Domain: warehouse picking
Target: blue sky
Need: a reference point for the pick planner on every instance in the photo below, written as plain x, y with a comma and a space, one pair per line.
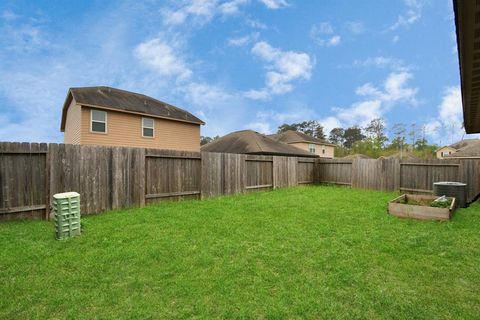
236, 64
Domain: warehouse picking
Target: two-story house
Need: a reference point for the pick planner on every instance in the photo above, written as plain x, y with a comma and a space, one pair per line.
112, 117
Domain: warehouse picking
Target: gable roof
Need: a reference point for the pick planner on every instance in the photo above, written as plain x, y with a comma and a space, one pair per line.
464, 143
468, 151
252, 142
125, 101
291, 136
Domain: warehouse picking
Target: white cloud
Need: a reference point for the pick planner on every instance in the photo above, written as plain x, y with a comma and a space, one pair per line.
359, 113
255, 24
262, 127
232, 7
202, 11
205, 95
382, 62
355, 27
242, 41
321, 28
394, 89
283, 68
450, 110
163, 58
323, 34
199, 10
329, 123
9, 15
333, 41
274, 4
447, 127
377, 101
395, 39
412, 14
22, 34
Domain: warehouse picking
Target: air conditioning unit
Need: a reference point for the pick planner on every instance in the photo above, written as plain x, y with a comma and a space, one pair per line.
66, 207
457, 190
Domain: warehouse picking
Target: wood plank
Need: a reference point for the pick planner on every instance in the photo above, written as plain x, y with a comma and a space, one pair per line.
23, 209
171, 194
416, 190
259, 186
172, 156
430, 164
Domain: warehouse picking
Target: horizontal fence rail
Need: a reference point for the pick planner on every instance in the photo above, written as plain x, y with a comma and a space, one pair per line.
113, 177
409, 176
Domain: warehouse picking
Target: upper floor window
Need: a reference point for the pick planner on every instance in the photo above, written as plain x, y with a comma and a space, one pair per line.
99, 121
446, 153
311, 148
323, 150
148, 127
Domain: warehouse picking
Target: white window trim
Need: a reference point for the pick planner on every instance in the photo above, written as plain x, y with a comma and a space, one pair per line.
153, 128
91, 121
314, 148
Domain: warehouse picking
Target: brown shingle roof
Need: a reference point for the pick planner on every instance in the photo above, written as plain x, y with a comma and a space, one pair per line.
291, 136
252, 142
111, 98
468, 151
464, 143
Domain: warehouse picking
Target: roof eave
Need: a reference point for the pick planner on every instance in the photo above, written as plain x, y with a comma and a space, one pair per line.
66, 104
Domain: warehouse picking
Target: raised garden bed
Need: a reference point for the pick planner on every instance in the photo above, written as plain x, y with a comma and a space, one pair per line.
420, 207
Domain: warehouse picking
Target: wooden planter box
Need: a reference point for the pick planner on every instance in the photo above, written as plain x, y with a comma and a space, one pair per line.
399, 208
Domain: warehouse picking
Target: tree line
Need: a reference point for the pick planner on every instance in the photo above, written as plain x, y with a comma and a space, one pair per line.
372, 140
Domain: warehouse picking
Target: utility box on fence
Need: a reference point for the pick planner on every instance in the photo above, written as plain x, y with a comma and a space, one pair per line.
66, 208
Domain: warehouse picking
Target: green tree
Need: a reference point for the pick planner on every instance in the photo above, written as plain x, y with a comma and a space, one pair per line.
205, 139
398, 142
337, 136
352, 135
311, 127
286, 127
376, 133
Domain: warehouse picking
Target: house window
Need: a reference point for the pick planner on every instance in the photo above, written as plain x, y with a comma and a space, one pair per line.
311, 148
147, 127
323, 150
446, 153
99, 121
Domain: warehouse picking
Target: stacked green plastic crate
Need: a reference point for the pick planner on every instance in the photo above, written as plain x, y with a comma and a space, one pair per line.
66, 207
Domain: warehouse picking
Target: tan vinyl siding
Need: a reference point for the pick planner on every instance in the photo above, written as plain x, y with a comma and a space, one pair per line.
72, 124
445, 149
329, 150
125, 130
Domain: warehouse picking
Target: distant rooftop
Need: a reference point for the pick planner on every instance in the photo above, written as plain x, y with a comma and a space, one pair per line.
252, 142
291, 136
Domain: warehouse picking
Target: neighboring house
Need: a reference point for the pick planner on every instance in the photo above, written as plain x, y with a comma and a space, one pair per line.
470, 151
252, 142
445, 151
113, 117
451, 150
305, 142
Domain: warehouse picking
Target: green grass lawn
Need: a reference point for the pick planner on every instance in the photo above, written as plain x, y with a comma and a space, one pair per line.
307, 252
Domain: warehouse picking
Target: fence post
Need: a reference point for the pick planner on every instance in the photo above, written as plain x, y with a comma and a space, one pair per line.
47, 182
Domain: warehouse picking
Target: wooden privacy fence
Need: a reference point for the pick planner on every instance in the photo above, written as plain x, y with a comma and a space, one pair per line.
409, 176
111, 177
